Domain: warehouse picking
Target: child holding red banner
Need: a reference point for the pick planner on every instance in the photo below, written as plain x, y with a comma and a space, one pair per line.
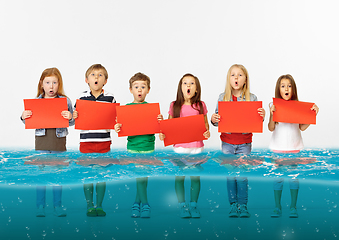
139, 86
286, 138
188, 103
51, 140
95, 141
237, 89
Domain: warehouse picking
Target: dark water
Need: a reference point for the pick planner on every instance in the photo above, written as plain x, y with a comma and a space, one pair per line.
22, 171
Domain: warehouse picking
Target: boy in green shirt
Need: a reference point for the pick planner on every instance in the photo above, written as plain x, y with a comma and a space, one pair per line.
139, 86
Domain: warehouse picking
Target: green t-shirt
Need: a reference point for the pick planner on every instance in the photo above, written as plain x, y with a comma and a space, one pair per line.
140, 142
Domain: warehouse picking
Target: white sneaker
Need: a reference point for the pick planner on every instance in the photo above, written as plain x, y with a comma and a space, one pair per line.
195, 213
135, 210
59, 212
40, 212
243, 211
234, 211
184, 211
145, 211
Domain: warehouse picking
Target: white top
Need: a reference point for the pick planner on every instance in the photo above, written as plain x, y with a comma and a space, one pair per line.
286, 137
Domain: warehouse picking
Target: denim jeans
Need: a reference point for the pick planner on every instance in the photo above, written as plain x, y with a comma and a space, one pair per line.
236, 149
237, 188
41, 196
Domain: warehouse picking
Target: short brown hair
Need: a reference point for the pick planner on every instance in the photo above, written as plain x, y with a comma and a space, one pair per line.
140, 77
97, 67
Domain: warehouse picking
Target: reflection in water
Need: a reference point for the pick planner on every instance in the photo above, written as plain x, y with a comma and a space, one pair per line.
317, 209
316, 204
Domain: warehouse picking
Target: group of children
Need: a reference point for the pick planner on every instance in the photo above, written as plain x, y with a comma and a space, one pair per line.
286, 137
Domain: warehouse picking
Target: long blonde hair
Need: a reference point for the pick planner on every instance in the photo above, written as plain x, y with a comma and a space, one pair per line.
246, 88
48, 72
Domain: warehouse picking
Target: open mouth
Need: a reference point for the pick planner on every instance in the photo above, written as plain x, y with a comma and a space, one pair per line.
236, 83
139, 95
188, 91
96, 82
51, 92
286, 94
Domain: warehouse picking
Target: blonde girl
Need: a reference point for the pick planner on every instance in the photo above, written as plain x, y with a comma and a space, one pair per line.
237, 89
51, 140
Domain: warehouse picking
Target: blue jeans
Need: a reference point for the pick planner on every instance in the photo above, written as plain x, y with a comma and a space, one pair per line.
237, 188
236, 149
41, 196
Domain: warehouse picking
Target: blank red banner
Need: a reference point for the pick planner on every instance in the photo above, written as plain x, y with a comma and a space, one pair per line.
46, 113
183, 130
95, 115
240, 117
138, 119
293, 112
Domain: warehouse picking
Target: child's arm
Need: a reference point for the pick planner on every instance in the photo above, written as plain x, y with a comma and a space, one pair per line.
26, 114
75, 114
215, 119
117, 127
303, 127
207, 134
262, 113
161, 135
271, 123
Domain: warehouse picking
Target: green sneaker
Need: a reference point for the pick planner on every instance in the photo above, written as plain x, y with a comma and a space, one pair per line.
91, 212
100, 212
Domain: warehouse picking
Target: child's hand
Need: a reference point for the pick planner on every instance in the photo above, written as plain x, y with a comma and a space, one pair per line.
66, 114
75, 114
215, 118
160, 117
207, 134
272, 109
315, 108
261, 112
161, 136
117, 127
26, 114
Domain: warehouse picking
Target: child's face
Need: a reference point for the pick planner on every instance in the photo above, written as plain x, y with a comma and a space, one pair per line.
237, 78
188, 87
285, 89
139, 90
50, 85
96, 80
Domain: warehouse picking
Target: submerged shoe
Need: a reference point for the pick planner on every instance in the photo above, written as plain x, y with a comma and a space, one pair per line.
41, 211
135, 210
91, 212
234, 211
243, 211
184, 211
145, 211
276, 213
100, 212
293, 213
195, 213
59, 212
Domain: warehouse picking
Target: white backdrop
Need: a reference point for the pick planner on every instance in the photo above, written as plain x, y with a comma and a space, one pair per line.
165, 40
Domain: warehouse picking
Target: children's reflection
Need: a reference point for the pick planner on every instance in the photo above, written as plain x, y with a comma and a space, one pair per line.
237, 187
54, 163
289, 165
188, 164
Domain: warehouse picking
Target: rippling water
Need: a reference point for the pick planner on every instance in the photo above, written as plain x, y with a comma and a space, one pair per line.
72, 167
21, 171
